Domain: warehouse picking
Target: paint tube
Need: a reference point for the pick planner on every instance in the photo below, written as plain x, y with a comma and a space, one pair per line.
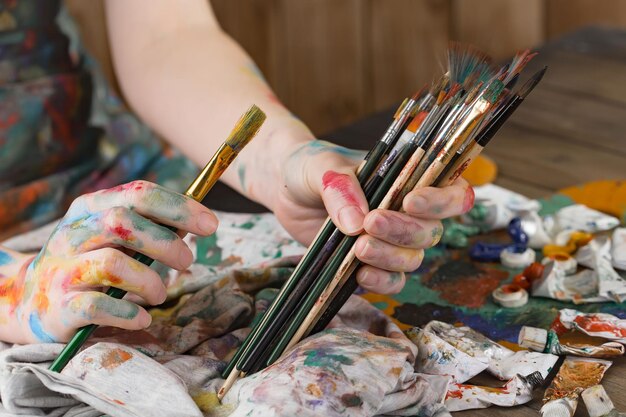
498, 207
547, 341
602, 325
518, 390
618, 248
597, 256
536, 229
575, 375
598, 403
565, 262
579, 217
437, 357
510, 296
579, 288
503, 363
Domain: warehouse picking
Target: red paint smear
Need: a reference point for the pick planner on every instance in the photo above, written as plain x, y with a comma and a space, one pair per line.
468, 201
594, 324
119, 402
510, 288
134, 186
122, 232
558, 327
454, 394
9, 120
342, 184
470, 288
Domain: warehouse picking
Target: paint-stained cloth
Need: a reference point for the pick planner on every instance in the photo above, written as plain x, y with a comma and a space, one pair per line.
363, 365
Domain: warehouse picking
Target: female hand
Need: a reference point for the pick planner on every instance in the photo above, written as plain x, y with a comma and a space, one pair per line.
90, 250
319, 180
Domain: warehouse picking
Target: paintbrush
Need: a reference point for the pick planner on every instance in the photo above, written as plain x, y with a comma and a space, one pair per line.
311, 262
245, 129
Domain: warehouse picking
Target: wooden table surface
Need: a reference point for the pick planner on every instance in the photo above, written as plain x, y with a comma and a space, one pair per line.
570, 130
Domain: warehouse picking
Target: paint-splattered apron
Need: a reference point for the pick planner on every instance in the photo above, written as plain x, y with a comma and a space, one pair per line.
49, 151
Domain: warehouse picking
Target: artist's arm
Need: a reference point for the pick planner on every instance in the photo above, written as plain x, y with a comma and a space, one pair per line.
190, 81
46, 297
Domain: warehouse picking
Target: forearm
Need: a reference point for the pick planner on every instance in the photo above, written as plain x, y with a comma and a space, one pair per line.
13, 267
191, 84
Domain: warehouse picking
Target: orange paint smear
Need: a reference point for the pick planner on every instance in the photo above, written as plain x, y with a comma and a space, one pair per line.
593, 324
115, 358
607, 196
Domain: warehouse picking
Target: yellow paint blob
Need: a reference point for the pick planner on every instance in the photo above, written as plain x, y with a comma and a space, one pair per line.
481, 171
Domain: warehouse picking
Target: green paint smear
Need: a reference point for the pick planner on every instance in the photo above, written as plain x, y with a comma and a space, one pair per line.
208, 251
320, 359
247, 226
550, 205
116, 308
241, 171
155, 231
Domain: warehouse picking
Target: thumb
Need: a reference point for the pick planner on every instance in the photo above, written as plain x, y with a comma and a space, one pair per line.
344, 200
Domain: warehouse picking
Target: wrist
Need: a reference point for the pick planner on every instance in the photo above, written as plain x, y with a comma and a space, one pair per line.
261, 165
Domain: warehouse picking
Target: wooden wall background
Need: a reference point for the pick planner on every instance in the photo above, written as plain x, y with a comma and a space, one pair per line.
334, 61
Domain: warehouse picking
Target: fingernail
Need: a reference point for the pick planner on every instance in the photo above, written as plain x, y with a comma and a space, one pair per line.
185, 257
417, 204
162, 295
145, 319
351, 219
369, 278
380, 225
206, 222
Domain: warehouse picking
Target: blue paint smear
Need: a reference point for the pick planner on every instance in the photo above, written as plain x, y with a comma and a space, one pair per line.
5, 258
38, 331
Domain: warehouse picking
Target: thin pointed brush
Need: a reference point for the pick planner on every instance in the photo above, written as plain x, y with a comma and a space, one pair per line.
245, 129
371, 161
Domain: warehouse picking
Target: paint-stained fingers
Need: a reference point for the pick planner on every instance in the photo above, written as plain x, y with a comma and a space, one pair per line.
380, 281
383, 255
109, 267
120, 226
153, 201
403, 230
92, 307
344, 200
440, 203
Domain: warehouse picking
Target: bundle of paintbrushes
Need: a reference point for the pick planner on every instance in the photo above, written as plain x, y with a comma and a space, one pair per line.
434, 136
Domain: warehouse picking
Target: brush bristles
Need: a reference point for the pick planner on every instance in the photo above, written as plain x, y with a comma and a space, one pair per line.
246, 128
532, 82
464, 61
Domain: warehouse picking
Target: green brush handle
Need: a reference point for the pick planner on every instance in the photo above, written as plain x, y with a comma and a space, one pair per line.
81, 336
331, 268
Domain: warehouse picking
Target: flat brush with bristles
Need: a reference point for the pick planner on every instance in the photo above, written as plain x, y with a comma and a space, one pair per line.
245, 129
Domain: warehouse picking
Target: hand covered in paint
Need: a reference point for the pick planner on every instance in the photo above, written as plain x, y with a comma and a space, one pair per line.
320, 180
61, 289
